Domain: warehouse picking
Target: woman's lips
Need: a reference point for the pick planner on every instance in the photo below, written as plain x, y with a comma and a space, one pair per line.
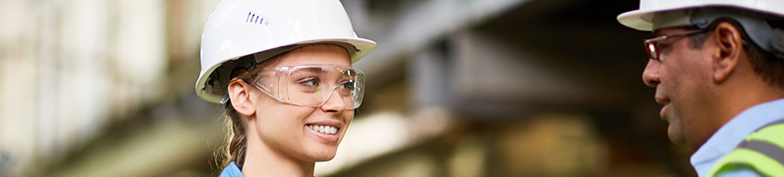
323, 132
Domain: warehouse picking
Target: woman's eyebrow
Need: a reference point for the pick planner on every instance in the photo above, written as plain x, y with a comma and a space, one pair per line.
314, 70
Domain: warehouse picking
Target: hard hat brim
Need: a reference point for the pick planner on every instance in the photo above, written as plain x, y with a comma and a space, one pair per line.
634, 20
642, 19
361, 47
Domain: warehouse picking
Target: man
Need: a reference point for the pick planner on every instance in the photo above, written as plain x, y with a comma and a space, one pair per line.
718, 70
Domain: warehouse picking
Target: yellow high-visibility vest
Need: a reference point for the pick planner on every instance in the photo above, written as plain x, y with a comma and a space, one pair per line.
761, 151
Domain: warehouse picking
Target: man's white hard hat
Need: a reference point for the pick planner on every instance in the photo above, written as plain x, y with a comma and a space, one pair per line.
266, 28
641, 19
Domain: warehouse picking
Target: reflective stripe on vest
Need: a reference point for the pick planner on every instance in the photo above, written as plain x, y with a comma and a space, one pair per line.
761, 151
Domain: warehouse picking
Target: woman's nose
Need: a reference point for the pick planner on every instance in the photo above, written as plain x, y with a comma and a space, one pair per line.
333, 103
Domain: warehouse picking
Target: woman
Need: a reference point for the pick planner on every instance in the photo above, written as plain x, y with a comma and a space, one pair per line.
282, 69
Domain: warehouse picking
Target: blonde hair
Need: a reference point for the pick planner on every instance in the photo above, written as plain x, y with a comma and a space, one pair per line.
234, 150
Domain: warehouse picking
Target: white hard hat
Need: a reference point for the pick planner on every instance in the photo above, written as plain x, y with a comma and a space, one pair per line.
266, 28
761, 19
642, 18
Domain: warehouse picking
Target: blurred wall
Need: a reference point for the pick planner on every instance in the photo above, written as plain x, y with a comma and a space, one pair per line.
507, 88
454, 88
70, 68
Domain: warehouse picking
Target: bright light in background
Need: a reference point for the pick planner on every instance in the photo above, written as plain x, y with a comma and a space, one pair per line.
366, 138
382, 133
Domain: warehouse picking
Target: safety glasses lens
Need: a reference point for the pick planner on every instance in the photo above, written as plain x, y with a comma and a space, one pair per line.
316, 85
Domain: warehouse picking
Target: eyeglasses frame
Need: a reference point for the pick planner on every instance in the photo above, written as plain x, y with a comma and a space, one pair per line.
653, 51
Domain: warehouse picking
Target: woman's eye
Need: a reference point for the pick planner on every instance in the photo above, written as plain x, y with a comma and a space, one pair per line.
348, 85
309, 82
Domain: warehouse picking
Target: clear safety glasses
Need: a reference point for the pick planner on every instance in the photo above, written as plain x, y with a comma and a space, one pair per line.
313, 85
653, 49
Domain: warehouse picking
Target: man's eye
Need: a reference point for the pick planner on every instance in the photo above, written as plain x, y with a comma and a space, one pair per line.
663, 46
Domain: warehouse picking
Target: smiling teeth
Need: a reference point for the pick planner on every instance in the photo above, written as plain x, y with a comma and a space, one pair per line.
324, 129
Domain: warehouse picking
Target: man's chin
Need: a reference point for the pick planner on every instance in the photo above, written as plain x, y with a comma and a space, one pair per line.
675, 136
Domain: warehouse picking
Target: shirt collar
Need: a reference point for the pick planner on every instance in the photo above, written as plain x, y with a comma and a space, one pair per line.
733, 132
232, 170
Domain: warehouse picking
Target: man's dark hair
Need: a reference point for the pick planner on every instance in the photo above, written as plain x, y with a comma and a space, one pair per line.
766, 64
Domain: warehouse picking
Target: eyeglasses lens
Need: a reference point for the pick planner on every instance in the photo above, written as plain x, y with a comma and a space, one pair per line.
651, 50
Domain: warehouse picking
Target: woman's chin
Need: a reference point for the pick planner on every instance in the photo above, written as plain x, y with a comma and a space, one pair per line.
323, 153
325, 159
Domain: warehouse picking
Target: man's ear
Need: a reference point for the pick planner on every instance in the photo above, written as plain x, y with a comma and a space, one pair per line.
241, 98
729, 44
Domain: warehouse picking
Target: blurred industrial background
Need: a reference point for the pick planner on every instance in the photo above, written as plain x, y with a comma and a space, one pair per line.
456, 88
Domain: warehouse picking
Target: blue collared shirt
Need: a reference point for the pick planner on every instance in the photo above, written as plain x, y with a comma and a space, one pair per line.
731, 134
232, 170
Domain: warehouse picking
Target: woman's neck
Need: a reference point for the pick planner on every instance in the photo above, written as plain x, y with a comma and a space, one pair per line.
262, 161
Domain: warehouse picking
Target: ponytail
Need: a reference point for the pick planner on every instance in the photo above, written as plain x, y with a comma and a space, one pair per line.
238, 142
237, 145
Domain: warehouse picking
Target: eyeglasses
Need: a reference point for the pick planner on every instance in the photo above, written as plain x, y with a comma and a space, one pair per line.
652, 48
312, 85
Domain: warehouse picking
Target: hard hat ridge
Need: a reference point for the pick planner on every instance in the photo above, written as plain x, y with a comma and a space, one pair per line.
757, 26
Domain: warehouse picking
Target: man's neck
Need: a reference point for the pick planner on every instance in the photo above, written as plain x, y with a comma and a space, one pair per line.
743, 92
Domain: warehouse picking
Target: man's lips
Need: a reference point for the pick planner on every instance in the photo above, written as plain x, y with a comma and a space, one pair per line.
662, 100
665, 102
663, 112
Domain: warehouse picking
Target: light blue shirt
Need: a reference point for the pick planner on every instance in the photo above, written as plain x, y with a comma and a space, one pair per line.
232, 170
731, 134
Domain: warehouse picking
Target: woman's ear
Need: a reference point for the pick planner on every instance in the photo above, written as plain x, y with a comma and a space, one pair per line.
241, 98
730, 47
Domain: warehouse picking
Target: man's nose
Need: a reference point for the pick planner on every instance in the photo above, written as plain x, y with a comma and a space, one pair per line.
650, 76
